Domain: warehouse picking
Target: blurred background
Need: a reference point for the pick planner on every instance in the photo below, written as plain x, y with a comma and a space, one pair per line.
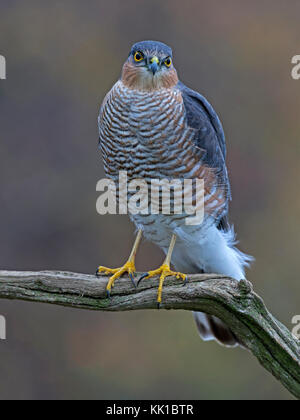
62, 57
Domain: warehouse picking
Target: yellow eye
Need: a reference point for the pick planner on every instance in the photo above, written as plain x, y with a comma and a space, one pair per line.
138, 56
168, 62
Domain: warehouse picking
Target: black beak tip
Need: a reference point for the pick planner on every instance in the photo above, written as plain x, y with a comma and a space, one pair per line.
154, 68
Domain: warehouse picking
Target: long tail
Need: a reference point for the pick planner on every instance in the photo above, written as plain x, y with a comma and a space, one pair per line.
217, 254
212, 328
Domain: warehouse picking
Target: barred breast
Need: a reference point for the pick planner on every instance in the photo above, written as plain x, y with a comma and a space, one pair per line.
145, 133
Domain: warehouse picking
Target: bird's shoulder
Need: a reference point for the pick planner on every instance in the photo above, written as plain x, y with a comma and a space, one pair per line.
201, 116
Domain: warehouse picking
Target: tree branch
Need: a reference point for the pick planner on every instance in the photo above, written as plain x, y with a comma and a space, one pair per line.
235, 303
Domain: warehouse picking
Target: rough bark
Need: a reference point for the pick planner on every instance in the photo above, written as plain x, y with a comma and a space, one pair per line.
244, 311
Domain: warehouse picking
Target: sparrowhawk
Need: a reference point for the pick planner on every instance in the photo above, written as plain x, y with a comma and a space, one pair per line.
154, 127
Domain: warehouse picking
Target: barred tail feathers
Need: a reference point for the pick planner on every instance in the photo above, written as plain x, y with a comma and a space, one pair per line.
216, 253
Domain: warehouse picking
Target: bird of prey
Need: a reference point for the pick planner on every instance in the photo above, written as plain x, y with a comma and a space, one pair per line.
154, 127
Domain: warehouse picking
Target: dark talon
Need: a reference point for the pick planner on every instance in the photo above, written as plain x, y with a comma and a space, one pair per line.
158, 305
108, 294
141, 278
185, 281
97, 273
132, 279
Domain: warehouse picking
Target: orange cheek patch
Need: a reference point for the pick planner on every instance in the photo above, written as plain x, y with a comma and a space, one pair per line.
130, 75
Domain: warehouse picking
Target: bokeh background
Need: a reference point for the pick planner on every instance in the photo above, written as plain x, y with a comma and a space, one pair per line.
62, 57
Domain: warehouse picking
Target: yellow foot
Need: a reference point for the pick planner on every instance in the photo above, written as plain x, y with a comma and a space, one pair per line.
129, 268
164, 271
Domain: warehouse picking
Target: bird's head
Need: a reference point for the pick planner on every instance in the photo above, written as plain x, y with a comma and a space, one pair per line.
149, 66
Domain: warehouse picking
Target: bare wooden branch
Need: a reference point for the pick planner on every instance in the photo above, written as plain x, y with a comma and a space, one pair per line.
235, 303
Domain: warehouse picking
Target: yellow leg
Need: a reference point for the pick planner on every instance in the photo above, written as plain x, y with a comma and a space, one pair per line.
164, 271
128, 267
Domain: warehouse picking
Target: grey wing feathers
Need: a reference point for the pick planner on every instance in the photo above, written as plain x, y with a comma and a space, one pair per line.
199, 110
209, 136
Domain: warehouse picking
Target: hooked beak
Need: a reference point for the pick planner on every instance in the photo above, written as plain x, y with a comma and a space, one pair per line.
153, 64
